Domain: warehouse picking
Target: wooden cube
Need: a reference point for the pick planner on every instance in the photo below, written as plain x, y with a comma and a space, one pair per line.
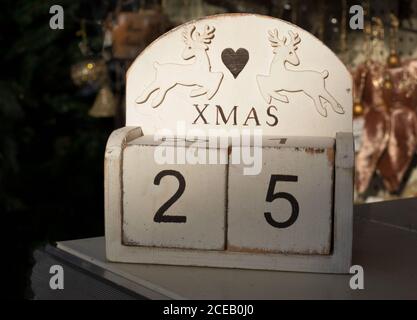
172, 205
338, 261
287, 208
236, 85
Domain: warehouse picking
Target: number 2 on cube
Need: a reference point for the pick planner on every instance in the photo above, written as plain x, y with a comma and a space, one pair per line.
159, 215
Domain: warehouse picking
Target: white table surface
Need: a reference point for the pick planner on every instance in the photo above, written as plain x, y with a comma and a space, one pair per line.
385, 245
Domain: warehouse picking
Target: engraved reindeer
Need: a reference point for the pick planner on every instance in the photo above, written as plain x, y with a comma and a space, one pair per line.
312, 83
197, 74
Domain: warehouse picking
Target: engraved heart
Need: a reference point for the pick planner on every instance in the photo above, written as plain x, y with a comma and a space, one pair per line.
235, 61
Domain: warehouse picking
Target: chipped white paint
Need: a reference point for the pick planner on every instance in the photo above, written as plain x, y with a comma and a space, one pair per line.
337, 262
198, 213
287, 207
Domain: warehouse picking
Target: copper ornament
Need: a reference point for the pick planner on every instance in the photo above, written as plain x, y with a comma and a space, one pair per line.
401, 148
375, 138
133, 31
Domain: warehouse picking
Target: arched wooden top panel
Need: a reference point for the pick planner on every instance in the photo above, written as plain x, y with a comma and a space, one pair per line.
240, 71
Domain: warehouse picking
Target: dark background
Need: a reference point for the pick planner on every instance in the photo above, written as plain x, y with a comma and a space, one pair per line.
51, 151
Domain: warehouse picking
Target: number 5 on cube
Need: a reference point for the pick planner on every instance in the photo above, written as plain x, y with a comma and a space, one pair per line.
287, 208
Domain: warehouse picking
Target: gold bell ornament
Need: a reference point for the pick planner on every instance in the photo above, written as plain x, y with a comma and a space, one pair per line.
105, 104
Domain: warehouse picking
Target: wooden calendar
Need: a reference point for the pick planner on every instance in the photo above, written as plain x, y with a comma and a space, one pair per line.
237, 151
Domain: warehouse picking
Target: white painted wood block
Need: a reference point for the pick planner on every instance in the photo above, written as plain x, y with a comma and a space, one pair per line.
223, 75
287, 208
337, 262
172, 205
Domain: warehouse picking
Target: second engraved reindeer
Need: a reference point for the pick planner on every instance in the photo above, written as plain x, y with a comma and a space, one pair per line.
280, 79
197, 74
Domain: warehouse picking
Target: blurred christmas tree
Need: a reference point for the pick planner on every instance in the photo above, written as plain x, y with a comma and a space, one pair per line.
51, 150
